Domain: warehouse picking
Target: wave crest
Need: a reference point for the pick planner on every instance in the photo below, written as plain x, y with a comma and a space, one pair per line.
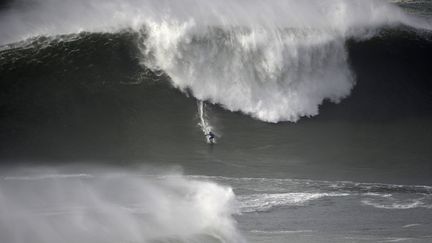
276, 61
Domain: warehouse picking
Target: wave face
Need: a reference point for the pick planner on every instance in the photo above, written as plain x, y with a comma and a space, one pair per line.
88, 96
276, 61
47, 206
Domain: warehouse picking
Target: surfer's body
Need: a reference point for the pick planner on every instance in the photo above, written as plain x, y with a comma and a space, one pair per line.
211, 137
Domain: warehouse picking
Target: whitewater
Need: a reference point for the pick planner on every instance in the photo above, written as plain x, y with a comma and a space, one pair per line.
153, 205
276, 61
44, 205
321, 111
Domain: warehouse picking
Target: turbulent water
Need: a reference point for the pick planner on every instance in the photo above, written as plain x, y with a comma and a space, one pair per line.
321, 111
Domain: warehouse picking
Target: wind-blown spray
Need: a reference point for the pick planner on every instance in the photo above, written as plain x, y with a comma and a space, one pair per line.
112, 207
275, 60
204, 122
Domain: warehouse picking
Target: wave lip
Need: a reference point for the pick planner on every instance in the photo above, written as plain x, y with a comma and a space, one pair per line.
279, 65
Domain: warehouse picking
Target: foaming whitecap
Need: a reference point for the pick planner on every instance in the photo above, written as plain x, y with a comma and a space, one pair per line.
264, 202
115, 207
397, 204
276, 61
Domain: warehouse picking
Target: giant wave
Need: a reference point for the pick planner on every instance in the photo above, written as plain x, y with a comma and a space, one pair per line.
276, 61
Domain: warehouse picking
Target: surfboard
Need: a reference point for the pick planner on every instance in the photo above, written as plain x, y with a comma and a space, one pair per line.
210, 141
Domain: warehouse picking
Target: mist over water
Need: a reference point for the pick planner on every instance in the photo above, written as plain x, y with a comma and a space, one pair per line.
114, 206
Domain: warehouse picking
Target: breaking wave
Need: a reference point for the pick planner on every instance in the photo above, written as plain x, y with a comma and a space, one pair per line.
276, 61
264, 194
115, 207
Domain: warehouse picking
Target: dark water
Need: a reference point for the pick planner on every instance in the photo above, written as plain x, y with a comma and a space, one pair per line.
74, 106
89, 99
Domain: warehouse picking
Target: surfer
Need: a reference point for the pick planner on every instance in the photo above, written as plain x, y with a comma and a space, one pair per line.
211, 137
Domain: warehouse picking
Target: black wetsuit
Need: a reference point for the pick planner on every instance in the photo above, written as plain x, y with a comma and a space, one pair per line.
211, 136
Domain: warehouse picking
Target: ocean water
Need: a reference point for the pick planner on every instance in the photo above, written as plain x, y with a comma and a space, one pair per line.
322, 112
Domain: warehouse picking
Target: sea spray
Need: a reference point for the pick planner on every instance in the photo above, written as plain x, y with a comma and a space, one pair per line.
276, 61
273, 75
114, 206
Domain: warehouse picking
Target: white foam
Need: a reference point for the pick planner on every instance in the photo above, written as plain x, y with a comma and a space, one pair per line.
114, 207
277, 232
387, 195
408, 204
279, 66
410, 225
395, 239
265, 202
275, 60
